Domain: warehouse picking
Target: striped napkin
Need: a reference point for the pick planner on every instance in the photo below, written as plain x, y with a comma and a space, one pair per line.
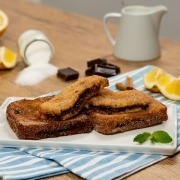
33, 163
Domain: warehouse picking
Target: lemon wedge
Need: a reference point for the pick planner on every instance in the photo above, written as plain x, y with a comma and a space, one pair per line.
151, 77
4, 21
158, 80
8, 58
169, 86
164, 80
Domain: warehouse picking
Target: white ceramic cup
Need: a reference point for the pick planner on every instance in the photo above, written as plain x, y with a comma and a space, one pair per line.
35, 47
138, 32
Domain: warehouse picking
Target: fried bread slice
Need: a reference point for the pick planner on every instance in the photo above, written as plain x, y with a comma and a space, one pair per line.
123, 101
23, 117
109, 121
70, 101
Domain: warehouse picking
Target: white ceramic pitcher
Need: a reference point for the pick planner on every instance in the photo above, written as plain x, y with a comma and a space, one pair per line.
138, 32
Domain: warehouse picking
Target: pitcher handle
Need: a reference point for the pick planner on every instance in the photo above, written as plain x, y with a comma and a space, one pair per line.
105, 19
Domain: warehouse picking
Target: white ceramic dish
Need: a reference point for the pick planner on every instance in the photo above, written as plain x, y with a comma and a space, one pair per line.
96, 141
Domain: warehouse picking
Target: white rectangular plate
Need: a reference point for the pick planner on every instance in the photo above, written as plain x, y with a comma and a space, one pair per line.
96, 141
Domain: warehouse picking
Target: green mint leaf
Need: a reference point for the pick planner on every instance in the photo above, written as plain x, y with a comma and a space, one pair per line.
160, 137
141, 138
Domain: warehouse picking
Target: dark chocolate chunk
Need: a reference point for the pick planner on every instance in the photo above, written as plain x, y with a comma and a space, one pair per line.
106, 70
92, 63
115, 67
90, 71
101, 67
68, 74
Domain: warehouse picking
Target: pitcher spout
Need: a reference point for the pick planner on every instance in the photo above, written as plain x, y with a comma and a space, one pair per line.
157, 14
160, 8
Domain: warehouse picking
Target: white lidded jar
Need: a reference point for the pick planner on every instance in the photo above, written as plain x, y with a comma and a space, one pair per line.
35, 47
36, 51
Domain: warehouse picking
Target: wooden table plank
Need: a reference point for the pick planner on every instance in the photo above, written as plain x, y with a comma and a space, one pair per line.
76, 39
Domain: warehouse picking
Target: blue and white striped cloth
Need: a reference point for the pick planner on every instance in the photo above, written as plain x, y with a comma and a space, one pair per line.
33, 163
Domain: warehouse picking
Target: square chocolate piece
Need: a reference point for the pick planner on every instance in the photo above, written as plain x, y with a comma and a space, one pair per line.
68, 74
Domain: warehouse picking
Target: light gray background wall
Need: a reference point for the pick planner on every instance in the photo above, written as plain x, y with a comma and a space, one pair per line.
170, 24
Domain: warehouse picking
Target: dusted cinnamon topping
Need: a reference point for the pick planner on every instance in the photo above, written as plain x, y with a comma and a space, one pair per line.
83, 106
23, 118
116, 122
74, 96
78, 106
115, 100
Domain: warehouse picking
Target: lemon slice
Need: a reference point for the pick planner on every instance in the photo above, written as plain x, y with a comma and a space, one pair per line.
151, 77
8, 58
4, 21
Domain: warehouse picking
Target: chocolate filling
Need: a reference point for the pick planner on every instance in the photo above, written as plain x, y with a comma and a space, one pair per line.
111, 110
